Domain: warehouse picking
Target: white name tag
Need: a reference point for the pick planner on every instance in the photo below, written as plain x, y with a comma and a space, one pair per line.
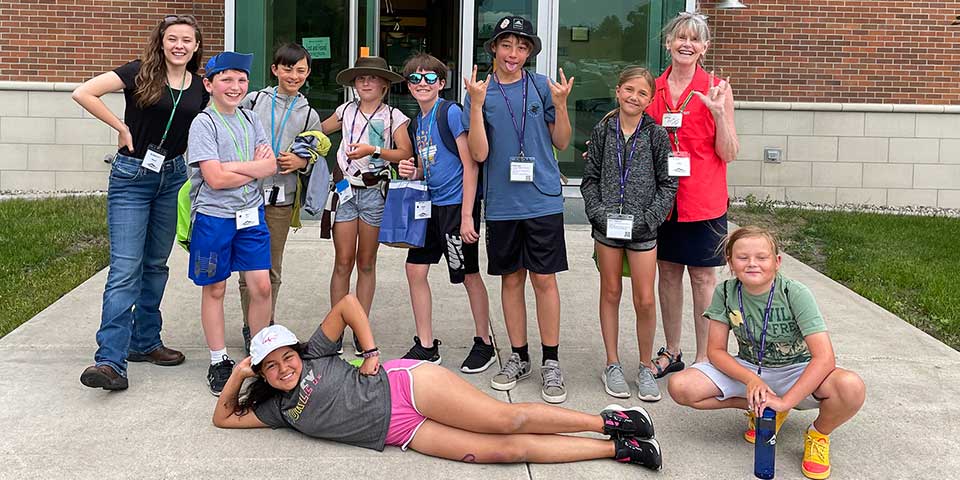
422, 210
154, 158
678, 164
619, 226
344, 190
430, 152
672, 120
521, 169
248, 218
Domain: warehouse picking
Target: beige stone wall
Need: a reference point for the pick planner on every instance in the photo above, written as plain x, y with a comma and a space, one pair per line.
48, 143
894, 155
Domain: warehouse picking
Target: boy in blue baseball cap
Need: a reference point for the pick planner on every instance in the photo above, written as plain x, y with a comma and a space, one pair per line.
230, 153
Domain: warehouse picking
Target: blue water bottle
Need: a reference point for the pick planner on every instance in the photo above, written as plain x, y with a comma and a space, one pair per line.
765, 448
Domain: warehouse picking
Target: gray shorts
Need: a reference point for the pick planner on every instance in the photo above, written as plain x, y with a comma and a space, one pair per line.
367, 203
779, 379
636, 246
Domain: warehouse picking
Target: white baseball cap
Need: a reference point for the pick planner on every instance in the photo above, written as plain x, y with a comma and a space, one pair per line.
268, 340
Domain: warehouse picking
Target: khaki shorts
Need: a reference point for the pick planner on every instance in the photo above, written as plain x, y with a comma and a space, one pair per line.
779, 379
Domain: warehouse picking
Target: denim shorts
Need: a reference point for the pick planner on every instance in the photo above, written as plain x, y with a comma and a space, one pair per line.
367, 203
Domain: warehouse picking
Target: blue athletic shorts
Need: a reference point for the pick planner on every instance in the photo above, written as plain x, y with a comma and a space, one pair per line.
217, 248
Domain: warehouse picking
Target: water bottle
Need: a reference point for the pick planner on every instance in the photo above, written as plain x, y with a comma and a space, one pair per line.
765, 448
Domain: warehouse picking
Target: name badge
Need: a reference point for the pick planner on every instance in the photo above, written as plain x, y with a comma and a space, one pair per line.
678, 164
619, 226
521, 169
344, 190
154, 158
431, 152
248, 218
422, 210
672, 120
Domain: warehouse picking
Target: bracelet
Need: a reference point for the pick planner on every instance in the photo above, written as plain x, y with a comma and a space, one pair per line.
373, 352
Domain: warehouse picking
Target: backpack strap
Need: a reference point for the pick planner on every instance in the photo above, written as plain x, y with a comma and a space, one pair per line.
256, 97
443, 125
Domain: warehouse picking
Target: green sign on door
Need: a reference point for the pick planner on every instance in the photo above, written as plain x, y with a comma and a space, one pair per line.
318, 47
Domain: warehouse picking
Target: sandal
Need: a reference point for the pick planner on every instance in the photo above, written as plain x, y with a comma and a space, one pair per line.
675, 362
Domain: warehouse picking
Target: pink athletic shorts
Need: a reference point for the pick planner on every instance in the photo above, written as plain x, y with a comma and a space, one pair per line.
405, 419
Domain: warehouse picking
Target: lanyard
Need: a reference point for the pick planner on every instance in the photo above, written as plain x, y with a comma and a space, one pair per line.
683, 106
243, 152
365, 117
625, 168
276, 137
766, 319
176, 101
428, 135
520, 130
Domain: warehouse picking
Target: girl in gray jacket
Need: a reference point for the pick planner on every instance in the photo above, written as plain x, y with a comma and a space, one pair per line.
627, 194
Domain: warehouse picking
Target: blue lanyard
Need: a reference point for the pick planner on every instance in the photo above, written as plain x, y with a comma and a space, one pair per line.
625, 169
428, 134
766, 319
275, 137
522, 128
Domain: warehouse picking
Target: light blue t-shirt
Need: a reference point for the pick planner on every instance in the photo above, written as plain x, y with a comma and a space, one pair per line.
506, 200
445, 173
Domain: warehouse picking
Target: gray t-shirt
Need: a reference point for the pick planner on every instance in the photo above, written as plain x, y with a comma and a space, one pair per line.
210, 140
333, 401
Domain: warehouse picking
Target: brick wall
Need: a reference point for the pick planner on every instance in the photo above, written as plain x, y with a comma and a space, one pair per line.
74, 40
839, 51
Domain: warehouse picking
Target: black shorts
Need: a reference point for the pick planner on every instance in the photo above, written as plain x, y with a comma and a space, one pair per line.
443, 240
694, 244
535, 244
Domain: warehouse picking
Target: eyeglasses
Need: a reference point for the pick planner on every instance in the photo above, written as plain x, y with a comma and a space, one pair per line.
173, 18
415, 78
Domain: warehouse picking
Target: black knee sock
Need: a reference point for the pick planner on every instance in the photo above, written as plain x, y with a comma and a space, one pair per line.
522, 351
550, 353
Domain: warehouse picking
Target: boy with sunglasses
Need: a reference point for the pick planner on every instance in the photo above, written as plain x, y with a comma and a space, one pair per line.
443, 160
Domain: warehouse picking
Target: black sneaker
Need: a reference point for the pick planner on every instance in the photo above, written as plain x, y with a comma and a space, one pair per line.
419, 352
640, 451
218, 374
480, 357
245, 331
357, 351
620, 422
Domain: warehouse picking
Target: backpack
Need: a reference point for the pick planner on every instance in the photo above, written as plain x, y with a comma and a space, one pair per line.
185, 213
446, 135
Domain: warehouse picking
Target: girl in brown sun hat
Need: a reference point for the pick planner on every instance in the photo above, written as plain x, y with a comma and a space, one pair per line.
373, 133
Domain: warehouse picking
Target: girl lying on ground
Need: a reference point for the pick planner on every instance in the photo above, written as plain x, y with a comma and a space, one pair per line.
411, 404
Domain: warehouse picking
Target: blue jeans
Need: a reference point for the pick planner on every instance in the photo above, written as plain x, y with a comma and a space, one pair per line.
142, 219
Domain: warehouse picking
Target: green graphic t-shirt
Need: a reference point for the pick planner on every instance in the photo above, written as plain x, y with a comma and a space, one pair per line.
793, 316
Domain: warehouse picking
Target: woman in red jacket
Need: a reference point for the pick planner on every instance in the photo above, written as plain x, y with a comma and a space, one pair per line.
697, 111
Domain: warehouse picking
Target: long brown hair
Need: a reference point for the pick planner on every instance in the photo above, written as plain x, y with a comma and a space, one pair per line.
628, 74
153, 70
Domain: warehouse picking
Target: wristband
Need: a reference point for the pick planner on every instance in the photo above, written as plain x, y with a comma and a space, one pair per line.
373, 352
376, 152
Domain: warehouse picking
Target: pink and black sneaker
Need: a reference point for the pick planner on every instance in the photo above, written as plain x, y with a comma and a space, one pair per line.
639, 451
620, 422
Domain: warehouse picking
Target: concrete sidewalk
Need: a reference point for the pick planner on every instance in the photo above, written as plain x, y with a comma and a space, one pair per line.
160, 428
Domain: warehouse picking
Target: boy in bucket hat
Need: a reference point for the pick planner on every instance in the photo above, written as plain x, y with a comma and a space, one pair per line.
519, 117
373, 133
229, 153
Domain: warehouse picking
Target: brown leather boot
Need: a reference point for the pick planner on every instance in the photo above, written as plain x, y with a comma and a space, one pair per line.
163, 356
103, 376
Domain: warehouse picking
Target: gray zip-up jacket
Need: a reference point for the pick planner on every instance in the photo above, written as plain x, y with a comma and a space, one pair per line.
301, 119
649, 190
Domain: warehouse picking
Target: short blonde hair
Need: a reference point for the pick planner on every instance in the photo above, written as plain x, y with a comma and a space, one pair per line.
750, 231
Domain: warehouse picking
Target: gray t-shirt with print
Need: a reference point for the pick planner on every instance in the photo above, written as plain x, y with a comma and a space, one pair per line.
210, 140
332, 401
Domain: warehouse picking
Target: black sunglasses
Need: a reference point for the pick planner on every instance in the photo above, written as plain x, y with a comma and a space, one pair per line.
415, 78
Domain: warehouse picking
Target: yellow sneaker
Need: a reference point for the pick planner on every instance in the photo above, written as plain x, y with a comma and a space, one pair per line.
816, 455
751, 434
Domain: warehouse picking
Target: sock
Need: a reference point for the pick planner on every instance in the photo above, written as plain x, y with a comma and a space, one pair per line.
522, 351
550, 353
216, 356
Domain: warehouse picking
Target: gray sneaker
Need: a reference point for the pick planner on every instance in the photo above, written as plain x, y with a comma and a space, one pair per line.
553, 390
647, 388
614, 382
515, 369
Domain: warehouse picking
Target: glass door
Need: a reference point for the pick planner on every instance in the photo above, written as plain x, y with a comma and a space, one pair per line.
486, 13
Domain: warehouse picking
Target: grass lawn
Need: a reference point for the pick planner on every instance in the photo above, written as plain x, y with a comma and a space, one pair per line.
48, 247
906, 264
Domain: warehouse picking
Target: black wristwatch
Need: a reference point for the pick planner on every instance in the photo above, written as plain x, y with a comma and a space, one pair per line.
376, 152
